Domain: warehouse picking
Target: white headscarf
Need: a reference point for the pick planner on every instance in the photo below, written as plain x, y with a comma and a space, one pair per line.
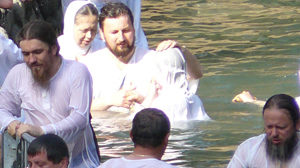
68, 47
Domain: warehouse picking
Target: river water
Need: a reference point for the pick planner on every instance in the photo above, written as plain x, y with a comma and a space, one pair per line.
242, 45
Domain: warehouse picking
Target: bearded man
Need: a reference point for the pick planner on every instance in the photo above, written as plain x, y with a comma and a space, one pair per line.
279, 146
127, 77
54, 94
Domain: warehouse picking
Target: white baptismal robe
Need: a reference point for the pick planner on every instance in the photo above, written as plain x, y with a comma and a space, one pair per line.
174, 98
252, 154
10, 55
63, 108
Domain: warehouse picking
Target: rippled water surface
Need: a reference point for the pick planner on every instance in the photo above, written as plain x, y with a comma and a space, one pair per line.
241, 44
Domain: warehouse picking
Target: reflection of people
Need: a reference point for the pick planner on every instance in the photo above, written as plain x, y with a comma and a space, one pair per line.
279, 146
10, 55
133, 70
150, 132
54, 94
49, 151
80, 28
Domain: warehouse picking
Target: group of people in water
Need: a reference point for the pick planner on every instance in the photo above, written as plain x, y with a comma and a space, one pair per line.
101, 62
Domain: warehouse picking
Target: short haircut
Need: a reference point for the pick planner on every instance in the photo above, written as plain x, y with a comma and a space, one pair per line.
149, 127
39, 30
86, 10
283, 101
55, 147
114, 10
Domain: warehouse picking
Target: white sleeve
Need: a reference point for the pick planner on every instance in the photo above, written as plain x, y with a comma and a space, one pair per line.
80, 101
9, 100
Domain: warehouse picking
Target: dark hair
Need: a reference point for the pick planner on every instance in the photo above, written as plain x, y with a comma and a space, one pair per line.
149, 127
114, 10
55, 147
39, 30
283, 101
88, 9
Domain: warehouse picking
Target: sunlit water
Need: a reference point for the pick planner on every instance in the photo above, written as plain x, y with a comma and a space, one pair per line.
241, 44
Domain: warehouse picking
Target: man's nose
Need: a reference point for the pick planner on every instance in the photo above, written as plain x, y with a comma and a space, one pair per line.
88, 34
274, 132
32, 59
121, 36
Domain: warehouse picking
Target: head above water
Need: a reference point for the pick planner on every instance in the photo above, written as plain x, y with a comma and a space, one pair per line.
286, 102
150, 126
281, 122
114, 10
50, 150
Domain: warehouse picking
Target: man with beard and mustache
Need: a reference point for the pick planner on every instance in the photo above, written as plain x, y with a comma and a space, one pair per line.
128, 77
279, 146
53, 94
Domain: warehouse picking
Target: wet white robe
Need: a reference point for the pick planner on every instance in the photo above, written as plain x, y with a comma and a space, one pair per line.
252, 153
174, 99
62, 109
10, 55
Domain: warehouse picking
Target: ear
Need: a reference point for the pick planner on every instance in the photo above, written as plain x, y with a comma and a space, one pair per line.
166, 139
64, 163
53, 50
130, 134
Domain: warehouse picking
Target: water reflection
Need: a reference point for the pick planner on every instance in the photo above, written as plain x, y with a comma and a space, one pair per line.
246, 44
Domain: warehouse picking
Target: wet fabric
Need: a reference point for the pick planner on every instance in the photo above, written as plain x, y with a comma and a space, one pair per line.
10, 55
252, 153
68, 47
167, 68
62, 108
126, 163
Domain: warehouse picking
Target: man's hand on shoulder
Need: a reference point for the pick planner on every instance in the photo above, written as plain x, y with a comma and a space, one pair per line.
166, 44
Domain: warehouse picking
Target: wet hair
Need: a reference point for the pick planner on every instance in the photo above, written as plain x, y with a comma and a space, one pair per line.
39, 30
114, 10
86, 10
283, 101
55, 147
149, 127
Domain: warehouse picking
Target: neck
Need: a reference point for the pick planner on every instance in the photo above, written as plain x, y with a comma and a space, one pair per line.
145, 153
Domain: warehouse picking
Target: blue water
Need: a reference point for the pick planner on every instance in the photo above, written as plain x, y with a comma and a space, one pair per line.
242, 45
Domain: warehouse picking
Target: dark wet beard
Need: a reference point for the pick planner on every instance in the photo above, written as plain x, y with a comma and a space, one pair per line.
42, 80
282, 152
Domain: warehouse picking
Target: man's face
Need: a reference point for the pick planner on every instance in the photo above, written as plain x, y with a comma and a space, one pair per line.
41, 161
85, 29
39, 57
118, 34
281, 133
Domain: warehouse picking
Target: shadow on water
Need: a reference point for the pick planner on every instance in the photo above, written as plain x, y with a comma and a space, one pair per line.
246, 44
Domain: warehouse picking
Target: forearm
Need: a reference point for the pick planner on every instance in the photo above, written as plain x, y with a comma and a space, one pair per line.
100, 105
